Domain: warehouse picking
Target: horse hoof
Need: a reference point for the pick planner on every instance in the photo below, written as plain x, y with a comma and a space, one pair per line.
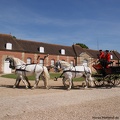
45, 87
26, 88
86, 87
83, 84
32, 88
69, 89
14, 87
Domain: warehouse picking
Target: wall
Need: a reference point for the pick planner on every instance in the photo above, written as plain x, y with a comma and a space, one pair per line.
23, 56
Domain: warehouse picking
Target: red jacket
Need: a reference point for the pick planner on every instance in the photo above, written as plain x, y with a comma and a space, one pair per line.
107, 57
101, 56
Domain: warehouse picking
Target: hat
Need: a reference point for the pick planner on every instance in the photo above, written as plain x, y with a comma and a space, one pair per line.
107, 50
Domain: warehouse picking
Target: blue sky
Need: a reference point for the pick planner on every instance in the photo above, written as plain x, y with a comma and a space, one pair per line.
95, 23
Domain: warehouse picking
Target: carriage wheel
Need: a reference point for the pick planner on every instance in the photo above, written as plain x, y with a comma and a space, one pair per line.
99, 82
116, 80
109, 80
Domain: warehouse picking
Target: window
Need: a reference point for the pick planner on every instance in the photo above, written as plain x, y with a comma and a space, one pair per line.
72, 63
62, 51
85, 62
41, 49
52, 62
9, 46
111, 57
41, 62
29, 60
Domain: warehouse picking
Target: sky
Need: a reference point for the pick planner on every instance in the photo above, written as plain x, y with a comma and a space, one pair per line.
95, 23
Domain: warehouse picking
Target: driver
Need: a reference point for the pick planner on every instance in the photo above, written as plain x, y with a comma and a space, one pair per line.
102, 58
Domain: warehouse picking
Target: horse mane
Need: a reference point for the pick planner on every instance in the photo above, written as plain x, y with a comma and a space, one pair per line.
65, 63
17, 60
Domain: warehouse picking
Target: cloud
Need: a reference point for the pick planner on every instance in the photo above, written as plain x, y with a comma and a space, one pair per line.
27, 24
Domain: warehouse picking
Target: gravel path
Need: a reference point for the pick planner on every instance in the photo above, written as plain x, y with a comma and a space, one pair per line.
58, 103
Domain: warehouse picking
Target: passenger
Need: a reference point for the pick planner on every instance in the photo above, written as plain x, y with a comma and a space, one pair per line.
102, 58
107, 58
101, 55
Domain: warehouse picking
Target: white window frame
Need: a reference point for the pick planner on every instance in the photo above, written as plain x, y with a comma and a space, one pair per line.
29, 60
41, 49
41, 62
9, 46
111, 57
63, 51
72, 63
52, 62
85, 62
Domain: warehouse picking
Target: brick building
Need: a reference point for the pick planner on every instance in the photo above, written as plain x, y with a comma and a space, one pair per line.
44, 53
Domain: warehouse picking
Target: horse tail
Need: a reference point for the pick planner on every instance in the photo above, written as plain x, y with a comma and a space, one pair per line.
89, 70
91, 78
46, 75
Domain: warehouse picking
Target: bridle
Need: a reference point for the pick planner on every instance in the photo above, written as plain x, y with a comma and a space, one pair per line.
57, 66
12, 63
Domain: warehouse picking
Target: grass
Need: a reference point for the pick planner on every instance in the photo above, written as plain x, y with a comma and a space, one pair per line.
52, 76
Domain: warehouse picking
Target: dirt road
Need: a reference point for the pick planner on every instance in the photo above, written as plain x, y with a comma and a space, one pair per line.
57, 103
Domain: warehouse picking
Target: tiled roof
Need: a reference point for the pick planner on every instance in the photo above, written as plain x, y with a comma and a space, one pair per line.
116, 55
33, 47
78, 50
5, 38
52, 49
92, 53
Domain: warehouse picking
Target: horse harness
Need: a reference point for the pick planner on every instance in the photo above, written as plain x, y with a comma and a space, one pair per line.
23, 68
75, 71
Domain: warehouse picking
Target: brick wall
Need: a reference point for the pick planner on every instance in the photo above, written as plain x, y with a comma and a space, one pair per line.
23, 56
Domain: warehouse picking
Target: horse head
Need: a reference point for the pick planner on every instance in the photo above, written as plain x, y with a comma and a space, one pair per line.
57, 66
61, 65
11, 61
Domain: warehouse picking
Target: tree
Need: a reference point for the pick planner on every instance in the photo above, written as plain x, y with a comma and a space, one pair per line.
14, 37
82, 45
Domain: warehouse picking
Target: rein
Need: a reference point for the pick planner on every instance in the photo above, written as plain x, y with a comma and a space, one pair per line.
85, 72
24, 69
70, 71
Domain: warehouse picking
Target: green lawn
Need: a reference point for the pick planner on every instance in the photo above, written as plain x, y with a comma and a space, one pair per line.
52, 76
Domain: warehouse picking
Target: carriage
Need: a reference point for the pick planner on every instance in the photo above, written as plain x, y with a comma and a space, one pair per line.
109, 76
106, 76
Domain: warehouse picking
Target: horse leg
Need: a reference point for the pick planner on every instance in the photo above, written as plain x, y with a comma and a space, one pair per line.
64, 79
87, 83
24, 81
36, 81
29, 85
45, 82
70, 83
91, 81
14, 86
17, 82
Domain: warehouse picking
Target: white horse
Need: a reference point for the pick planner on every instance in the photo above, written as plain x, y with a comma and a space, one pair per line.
70, 72
23, 70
